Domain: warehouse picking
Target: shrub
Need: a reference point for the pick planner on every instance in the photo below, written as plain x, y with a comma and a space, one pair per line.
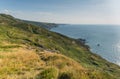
66, 75
50, 73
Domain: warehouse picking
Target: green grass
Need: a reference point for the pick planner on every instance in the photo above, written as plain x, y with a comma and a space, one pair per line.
50, 73
13, 31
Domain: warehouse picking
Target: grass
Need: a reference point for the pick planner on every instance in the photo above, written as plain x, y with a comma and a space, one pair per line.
49, 73
19, 64
23, 63
21, 45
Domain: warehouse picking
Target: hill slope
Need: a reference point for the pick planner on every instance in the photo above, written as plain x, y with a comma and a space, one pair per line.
48, 52
42, 24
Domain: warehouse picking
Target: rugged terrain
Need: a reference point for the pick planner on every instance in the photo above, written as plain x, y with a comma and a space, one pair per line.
32, 52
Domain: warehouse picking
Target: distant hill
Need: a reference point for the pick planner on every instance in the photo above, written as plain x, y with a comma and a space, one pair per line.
42, 24
28, 51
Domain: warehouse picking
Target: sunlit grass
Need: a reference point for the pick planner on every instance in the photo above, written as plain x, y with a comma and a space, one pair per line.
29, 52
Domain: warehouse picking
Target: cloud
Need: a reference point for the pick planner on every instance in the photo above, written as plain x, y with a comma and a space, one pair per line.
69, 11
105, 13
77, 18
6, 11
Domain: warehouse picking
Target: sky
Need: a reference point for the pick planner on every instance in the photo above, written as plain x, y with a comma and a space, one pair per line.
64, 11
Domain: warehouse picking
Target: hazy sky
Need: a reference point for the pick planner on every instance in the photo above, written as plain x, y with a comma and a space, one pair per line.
64, 11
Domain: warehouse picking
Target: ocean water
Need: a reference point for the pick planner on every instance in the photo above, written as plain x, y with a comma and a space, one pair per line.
107, 36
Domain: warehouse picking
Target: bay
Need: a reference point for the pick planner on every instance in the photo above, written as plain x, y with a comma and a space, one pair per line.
103, 40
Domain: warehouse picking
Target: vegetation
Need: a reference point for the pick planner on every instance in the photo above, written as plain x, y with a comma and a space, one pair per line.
50, 73
42, 24
31, 52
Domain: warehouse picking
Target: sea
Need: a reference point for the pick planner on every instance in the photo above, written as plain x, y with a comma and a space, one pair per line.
103, 40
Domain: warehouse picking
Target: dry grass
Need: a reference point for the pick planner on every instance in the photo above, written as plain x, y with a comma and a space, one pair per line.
64, 65
23, 63
60, 61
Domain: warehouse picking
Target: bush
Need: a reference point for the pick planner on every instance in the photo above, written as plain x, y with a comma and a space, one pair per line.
50, 73
66, 75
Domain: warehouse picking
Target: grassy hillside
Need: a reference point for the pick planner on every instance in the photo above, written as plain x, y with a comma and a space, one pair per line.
42, 24
31, 52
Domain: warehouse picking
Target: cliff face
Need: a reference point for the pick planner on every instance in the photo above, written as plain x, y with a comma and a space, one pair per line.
29, 51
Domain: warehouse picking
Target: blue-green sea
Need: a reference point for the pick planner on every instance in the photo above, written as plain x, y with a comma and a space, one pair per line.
107, 36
